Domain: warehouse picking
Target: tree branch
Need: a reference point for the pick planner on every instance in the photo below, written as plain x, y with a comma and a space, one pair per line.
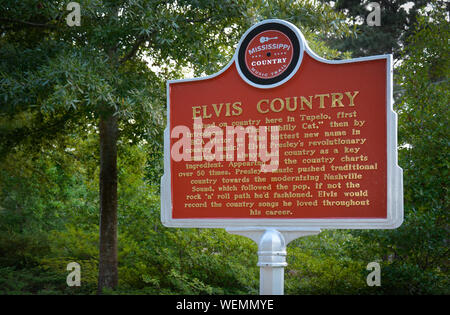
206, 19
139, 41
28, 23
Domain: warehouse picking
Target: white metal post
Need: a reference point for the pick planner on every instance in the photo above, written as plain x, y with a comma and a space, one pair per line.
271, 260
272, 253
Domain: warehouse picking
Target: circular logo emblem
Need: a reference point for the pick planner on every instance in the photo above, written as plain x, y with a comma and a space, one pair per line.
269, 54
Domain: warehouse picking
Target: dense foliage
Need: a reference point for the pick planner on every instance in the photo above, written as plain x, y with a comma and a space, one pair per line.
398, 21
56, 80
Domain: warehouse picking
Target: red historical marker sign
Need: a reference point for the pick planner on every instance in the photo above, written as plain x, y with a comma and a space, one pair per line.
281, 137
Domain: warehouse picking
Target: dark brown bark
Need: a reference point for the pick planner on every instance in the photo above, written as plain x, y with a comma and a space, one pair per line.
107, 271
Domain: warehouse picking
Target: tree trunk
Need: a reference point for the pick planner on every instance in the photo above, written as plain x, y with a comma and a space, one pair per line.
107, 270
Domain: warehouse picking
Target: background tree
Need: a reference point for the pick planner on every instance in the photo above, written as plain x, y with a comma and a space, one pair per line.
398, 22
57, 80
57, 83
415, 256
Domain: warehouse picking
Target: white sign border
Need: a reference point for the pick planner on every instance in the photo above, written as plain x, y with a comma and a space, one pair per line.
394, 173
